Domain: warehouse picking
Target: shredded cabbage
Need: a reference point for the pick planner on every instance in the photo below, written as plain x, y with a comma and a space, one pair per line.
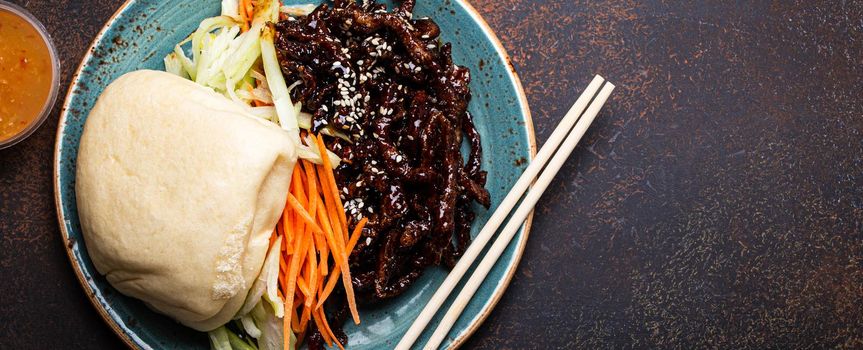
231, 8
250, 327
272, 337
272, 294
297, 10
261, 287
219, 339
278, 88
224, 60
237, 343
174, 65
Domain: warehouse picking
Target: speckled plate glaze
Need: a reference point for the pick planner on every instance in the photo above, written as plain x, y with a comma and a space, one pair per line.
141, 33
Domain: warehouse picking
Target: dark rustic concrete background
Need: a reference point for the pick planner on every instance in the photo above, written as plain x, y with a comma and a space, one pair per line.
716, 202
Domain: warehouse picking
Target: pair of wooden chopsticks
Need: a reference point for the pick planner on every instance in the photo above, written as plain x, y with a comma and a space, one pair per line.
581, 115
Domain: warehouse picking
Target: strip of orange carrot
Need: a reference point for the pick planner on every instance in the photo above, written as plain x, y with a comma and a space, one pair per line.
250, 10
328, 230
285, 329
312, 205
244, 17
295, 322
286, 227
313, 271
303, 214
304, 319
310, 175
331, 179
342, 261
334, 217
336, 257
332, 207
355, 236
325, 255
303, 286
305, 277
320, 239
339, 224
291, 286
316, 316
329, 330
298, 187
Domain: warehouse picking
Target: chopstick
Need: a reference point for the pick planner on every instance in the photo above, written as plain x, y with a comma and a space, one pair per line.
546, 152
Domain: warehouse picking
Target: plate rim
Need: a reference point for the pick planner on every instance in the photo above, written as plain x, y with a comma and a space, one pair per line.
127, 339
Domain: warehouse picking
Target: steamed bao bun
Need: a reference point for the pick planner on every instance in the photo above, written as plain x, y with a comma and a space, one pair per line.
178, 190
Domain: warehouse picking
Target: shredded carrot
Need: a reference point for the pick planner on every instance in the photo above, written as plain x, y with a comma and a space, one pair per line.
356, 235
286, 229
304, 319
314, 231
336, 270
244, 16
292, 283
303, 286
346, 274
317, 317
312, 272
326, 328
302, 213
325, 254
249, 9
331, 179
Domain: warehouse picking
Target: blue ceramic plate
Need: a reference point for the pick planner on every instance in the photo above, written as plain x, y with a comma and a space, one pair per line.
141, 33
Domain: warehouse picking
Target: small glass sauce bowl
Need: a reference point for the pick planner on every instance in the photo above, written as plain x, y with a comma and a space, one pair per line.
34, 121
